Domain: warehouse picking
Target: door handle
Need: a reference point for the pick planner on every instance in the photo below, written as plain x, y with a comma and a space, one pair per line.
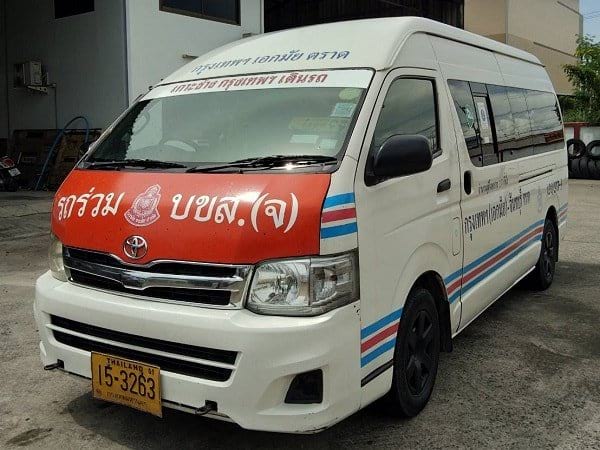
444, 185
467, 183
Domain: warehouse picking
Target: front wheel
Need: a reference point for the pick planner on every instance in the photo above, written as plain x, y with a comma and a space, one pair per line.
542, 276
416, 355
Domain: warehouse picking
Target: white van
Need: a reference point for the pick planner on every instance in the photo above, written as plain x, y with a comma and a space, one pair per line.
295, 225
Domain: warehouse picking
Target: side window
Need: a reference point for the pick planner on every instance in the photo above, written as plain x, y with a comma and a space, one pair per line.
546, 122
465, 108
409, 108
486, 129
505, 124
522, 145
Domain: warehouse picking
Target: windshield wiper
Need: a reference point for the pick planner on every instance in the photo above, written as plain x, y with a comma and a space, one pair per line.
143, 163
267, 162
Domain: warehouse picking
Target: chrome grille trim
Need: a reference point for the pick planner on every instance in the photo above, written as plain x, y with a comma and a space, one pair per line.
131, 277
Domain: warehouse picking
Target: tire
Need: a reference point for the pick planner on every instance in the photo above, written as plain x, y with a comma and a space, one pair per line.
594, 169
570, 166
576, 148
574, 166
416, 356
593, 150
583, 168
542, 276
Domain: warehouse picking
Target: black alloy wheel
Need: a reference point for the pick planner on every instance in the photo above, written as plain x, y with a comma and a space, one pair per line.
542, 276
419, 357
416, 355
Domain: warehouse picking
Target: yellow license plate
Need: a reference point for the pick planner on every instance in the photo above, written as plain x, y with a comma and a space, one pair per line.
126, 382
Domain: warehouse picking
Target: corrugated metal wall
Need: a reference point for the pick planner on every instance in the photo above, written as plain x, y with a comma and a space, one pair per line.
281, 14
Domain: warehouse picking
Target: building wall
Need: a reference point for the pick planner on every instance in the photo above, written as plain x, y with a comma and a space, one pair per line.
84, 55
546, 28
3, 91
157, 40
486, 17
280, 15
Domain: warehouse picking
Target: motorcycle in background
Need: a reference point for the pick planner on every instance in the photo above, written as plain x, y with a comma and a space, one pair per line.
8, 174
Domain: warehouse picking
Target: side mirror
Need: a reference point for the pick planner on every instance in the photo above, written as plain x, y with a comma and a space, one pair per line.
402, 155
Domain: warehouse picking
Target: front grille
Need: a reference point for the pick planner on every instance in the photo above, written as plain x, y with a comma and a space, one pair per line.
180, 268
216, 298
190, 283
168, 363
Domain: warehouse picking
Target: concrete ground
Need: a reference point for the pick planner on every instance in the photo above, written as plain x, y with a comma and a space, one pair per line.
525, 374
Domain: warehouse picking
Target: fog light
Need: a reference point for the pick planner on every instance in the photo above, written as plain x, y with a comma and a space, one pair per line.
306, 388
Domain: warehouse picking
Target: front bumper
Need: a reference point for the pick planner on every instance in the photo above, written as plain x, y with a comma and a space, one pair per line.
271, 351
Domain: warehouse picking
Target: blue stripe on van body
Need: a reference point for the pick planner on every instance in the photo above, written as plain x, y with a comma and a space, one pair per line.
381, 323
384, 348
505, 244
340, 199
500, 263
482, 259
339, 230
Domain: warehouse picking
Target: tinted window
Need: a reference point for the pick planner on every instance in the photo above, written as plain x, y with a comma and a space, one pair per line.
546, 123
465, 108
520, 146
503, 119
221, 10
408, 108
486, 129
66, 8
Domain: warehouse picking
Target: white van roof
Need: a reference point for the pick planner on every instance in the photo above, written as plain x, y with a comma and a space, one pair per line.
372, 43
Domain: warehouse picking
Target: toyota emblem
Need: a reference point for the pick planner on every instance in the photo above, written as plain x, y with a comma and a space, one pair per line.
135, 247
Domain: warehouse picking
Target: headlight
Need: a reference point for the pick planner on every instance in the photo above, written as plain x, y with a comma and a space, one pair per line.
55, 259
304, 287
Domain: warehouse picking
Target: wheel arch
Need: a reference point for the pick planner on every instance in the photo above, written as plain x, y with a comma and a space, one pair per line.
424, 268
433, 282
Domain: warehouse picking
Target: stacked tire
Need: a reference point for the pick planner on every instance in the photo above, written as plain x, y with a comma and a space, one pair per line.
584, 160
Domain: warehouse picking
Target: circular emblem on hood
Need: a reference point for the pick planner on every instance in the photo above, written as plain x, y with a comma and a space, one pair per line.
135, 247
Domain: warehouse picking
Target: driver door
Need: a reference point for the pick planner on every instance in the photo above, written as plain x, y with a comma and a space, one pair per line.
408, 225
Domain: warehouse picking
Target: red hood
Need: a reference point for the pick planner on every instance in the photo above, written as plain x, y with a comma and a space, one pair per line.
218, 218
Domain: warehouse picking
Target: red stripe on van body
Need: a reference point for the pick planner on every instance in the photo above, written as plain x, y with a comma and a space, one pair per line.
340, 214
387, 332
490, 262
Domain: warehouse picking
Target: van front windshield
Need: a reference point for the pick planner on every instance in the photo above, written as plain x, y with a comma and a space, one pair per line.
186, 126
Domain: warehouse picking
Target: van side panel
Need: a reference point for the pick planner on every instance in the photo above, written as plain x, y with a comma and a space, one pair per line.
504, 213
523, 74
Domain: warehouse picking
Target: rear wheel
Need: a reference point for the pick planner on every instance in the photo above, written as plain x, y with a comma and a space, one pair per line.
416, 356
542, 276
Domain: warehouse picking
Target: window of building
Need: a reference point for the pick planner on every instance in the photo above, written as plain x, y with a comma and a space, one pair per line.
409, 108
465, 108
66, 8
227, 11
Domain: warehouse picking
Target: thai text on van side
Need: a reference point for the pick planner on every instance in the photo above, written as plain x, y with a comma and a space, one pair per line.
506, 205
